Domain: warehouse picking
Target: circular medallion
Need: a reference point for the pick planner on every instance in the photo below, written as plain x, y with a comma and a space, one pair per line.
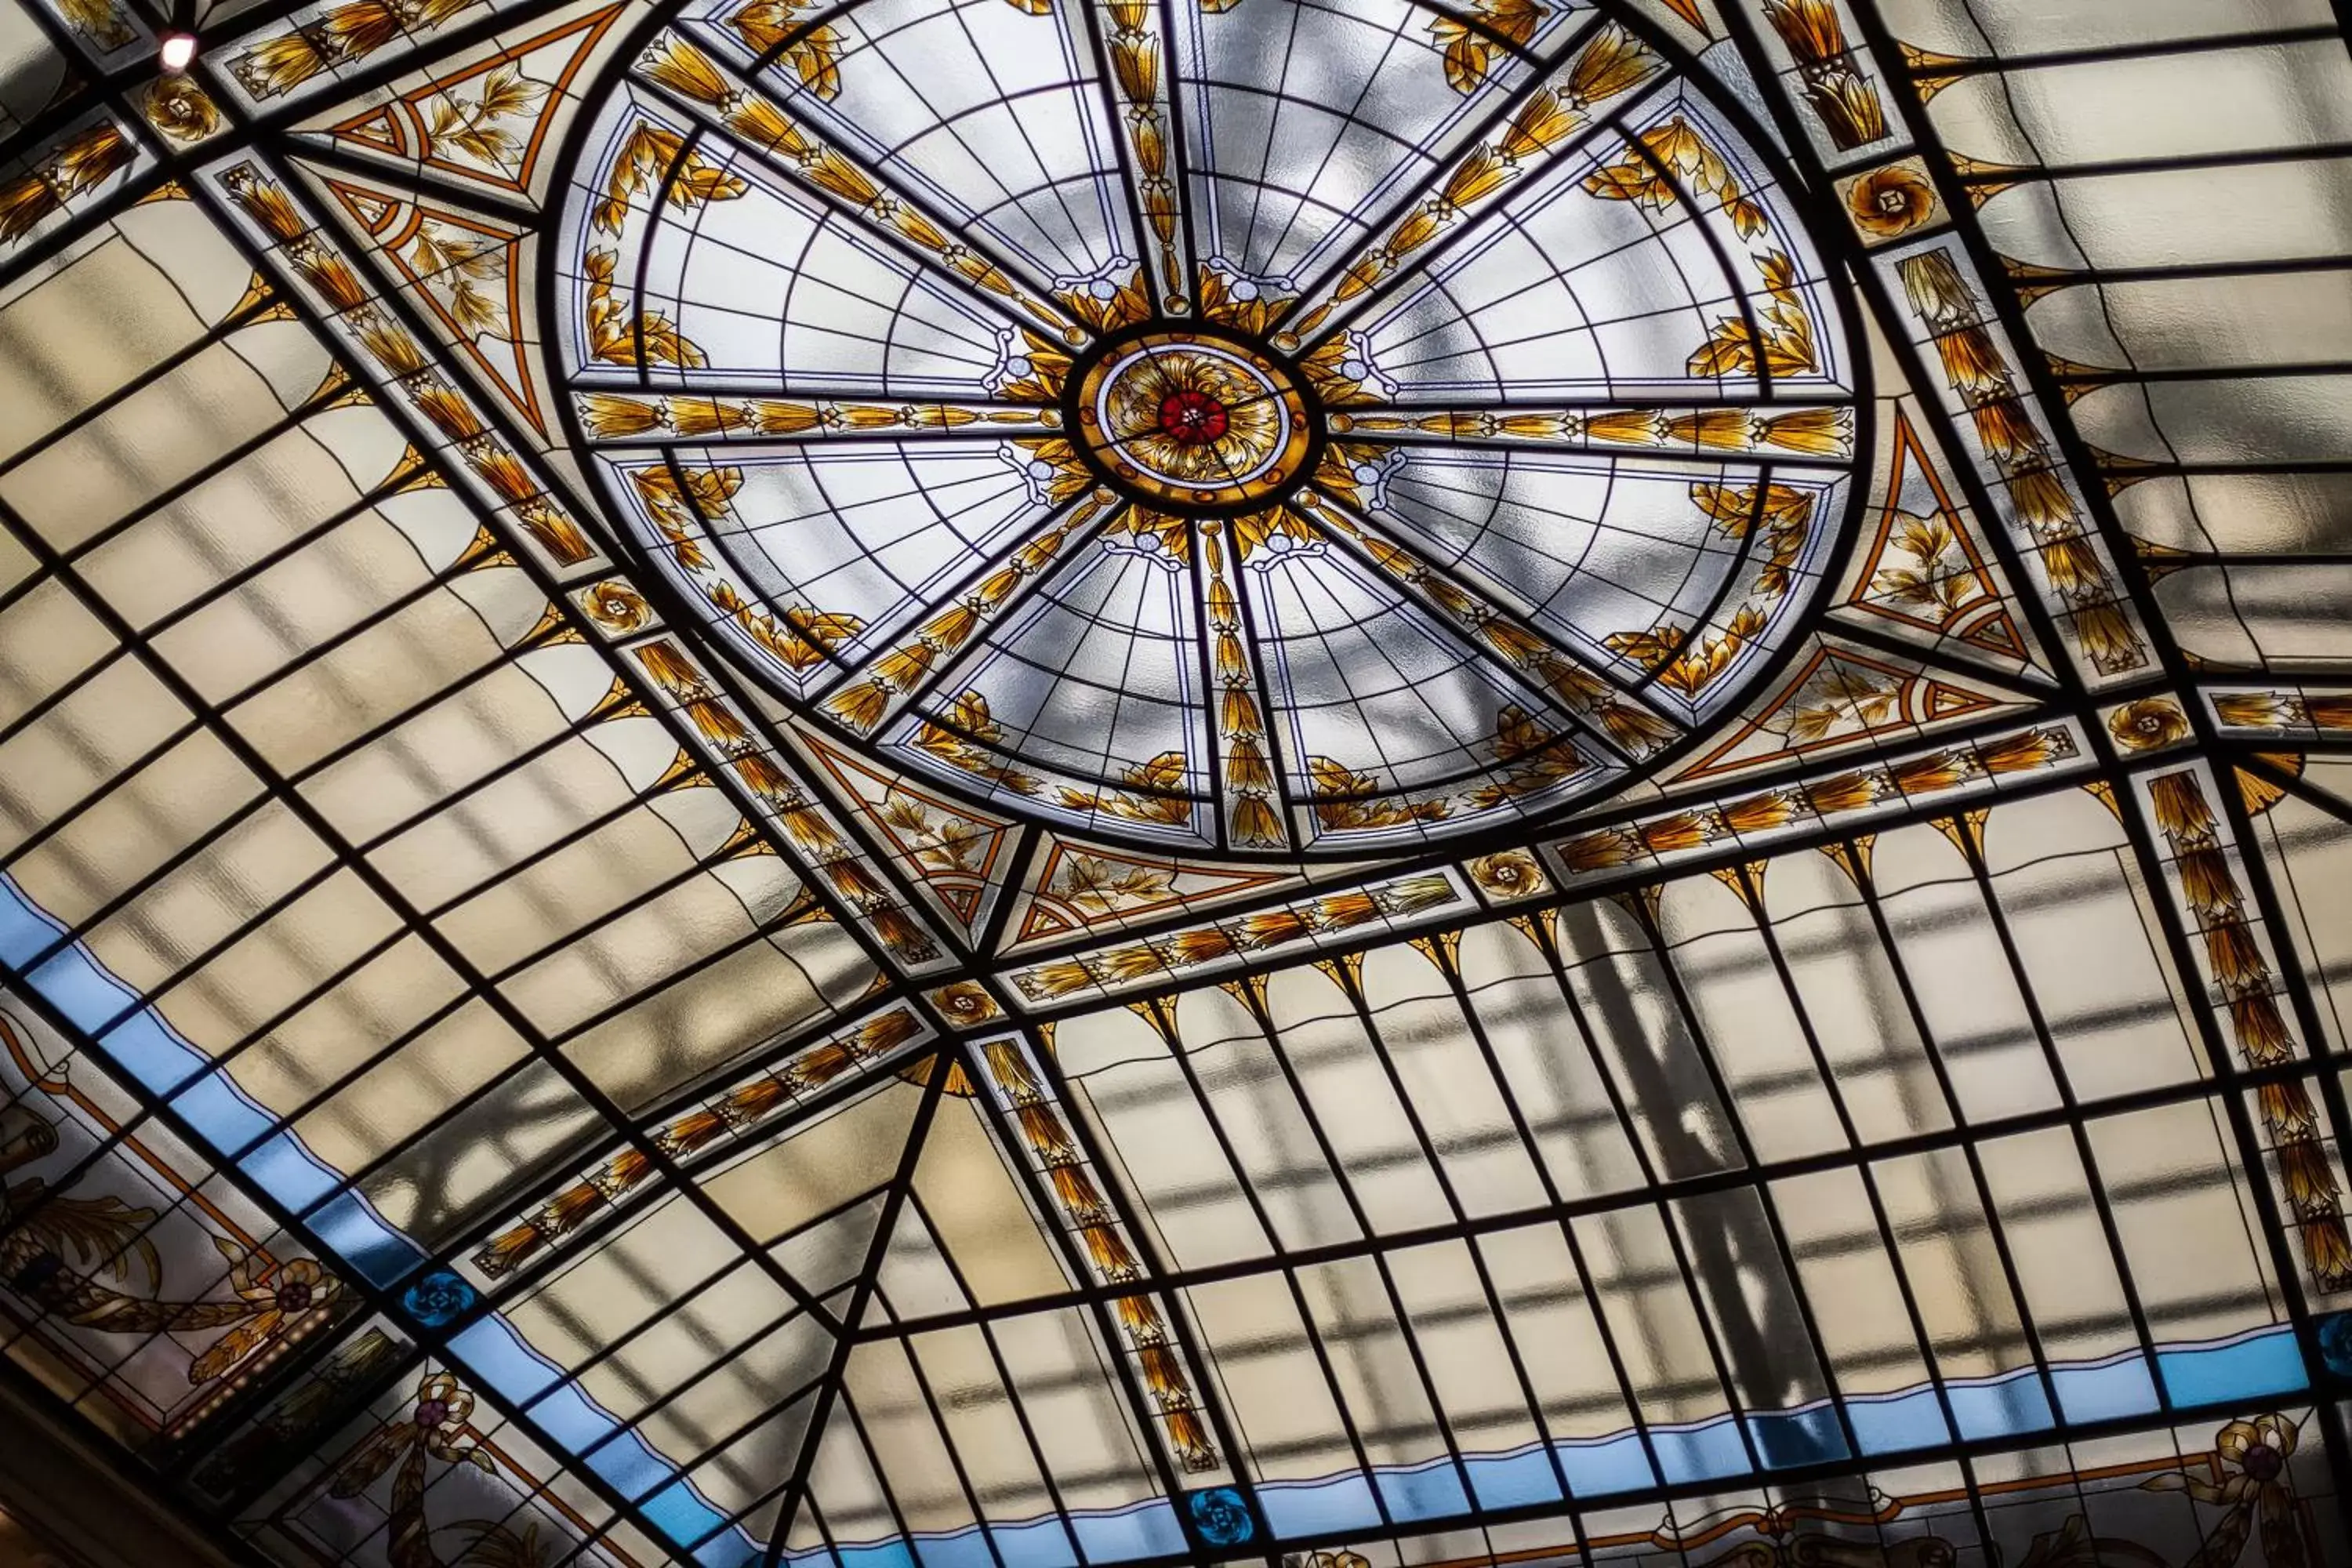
1183, 418
1213, 492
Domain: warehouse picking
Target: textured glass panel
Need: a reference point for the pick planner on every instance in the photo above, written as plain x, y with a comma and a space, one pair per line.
1064, 1388
1271, 1139
2186, 1229
1850, 1279
119, 840
975, 1207
443, 1178
1552, 1325
2017, 27
1166, 1146
909, 1449
88, 331
1952, 1253
983, 1425
1268, 1367
1741, 1008
2064, 1264
1549, 1073
2212, 102
1653, 1315
716, 1317
1455, 1331
2087, 948
817, 1168
1646, 1048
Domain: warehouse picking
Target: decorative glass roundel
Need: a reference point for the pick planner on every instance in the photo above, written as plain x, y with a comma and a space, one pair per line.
1250, 427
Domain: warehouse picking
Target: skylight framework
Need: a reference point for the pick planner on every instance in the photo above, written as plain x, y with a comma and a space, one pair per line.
493, 1071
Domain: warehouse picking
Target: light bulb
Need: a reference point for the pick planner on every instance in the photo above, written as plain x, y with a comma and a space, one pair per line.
179, 51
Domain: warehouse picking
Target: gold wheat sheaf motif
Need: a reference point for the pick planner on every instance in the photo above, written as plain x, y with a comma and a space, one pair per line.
863, 703
80, 164
2241, 972
1857, 789
1673, 162
673, 63
1632, 729
1130, 963
405, 362
1135, 59
681, 498
1825, 432
1254, 818
617, 417
1688, 665
1102, 1235
1470, 51
340, 35
2326, 711
811, 51
807, 824
738, 1111
1835, 86
1978, 371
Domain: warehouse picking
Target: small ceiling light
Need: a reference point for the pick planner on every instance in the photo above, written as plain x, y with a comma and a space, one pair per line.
179, 51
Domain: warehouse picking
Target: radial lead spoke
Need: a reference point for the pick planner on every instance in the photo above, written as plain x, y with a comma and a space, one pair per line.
1128, 32
1819, 433
888, 682
693, 79
1501, 636
619, 419
1546, 120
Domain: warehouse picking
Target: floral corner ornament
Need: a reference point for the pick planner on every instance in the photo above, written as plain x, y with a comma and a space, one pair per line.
439, 1299
1510, 875
1221, 1517
964, 1002
616, 607
2149, 725
180, 108
1890, 201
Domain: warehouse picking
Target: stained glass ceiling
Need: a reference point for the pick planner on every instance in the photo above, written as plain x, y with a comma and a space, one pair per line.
1009, 784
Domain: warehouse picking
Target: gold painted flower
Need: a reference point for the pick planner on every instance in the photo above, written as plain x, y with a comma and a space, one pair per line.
1512, 874
965, 1003
615, 607
2148, 724
1890, 201
1193, 418
178, 108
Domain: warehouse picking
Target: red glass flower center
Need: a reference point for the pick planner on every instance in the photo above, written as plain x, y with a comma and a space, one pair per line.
1191, 418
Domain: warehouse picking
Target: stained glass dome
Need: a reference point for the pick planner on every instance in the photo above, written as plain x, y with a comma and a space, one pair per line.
1136, 784
1453, 455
